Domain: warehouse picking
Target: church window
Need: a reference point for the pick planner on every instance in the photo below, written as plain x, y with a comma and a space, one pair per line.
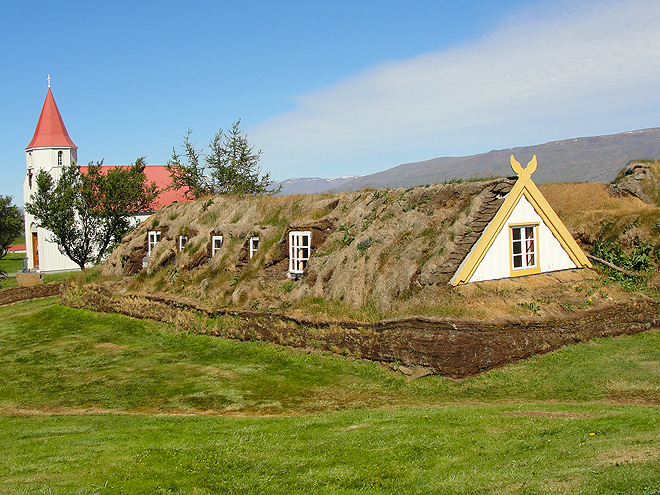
59, 158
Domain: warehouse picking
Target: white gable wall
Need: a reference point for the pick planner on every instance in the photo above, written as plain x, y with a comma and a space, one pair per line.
551, 255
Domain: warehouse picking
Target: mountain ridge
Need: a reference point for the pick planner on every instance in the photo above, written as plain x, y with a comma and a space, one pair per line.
591, 158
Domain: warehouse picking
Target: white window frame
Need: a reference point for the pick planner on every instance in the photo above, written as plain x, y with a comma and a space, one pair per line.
300, 249
215, 249
524, 247
153, 236
253, 246
183, 240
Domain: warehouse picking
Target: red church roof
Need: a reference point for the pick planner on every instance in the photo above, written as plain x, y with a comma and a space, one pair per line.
50, 131
159, 175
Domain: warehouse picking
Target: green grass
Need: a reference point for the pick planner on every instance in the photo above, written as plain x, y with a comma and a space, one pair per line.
470, 449
101, 403
12, 262
75, 359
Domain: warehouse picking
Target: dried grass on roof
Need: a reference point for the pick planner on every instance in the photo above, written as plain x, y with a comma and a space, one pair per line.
377, 254
371, 247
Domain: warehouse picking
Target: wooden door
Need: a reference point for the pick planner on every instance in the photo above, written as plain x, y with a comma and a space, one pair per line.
35, 250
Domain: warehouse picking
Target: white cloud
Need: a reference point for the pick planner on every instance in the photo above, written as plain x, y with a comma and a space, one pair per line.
554, 67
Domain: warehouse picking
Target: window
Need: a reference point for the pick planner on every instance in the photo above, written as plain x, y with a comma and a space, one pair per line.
59, 158
154, 237
183, 239
216, 244
524, 250
254, 245
299, 251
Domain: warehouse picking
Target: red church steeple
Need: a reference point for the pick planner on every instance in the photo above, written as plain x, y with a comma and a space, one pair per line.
50, 131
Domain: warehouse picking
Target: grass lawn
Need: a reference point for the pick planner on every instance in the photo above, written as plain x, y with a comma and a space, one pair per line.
12, 262
96, 403
455, 449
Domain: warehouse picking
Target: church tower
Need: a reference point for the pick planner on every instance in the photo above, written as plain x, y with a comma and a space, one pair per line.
50, 149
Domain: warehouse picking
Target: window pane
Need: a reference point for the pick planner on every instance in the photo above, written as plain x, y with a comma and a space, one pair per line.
517, 261
517, 247
515, 234
529, 246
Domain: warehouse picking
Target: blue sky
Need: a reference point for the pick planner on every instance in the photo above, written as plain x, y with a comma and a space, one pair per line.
326, 88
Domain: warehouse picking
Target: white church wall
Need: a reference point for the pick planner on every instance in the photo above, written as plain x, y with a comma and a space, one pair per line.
50, 257
47, 158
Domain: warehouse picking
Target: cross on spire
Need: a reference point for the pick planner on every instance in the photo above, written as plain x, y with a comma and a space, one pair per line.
48, 80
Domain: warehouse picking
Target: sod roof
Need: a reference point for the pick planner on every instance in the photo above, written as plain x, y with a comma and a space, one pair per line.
371, 246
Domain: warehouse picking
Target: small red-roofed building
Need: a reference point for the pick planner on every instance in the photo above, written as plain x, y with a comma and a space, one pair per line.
51, 149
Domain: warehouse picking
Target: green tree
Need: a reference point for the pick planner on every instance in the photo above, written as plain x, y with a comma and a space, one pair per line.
232, 164
88, 213
186, 171
11, 226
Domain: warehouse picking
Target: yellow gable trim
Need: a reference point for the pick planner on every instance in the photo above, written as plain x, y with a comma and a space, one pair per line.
524, 185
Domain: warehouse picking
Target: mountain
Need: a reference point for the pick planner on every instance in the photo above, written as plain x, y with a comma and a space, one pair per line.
596, 159
311, 185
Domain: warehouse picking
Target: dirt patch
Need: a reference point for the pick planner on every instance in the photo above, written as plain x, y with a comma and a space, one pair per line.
549, 414
18, 411
111, 348
628, 455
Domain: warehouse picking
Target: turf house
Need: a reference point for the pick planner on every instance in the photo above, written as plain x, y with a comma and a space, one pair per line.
374, 245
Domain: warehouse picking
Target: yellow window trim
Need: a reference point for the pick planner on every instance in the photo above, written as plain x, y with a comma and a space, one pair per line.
521, 272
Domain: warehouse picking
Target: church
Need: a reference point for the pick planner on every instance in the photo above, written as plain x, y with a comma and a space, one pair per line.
51, 149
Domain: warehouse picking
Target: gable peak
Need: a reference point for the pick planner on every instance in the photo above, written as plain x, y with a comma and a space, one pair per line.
527, 171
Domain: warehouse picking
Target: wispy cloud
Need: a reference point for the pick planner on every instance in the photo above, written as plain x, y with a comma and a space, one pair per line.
550, 66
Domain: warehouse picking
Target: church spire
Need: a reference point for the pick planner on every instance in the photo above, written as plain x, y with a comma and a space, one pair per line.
50, 131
